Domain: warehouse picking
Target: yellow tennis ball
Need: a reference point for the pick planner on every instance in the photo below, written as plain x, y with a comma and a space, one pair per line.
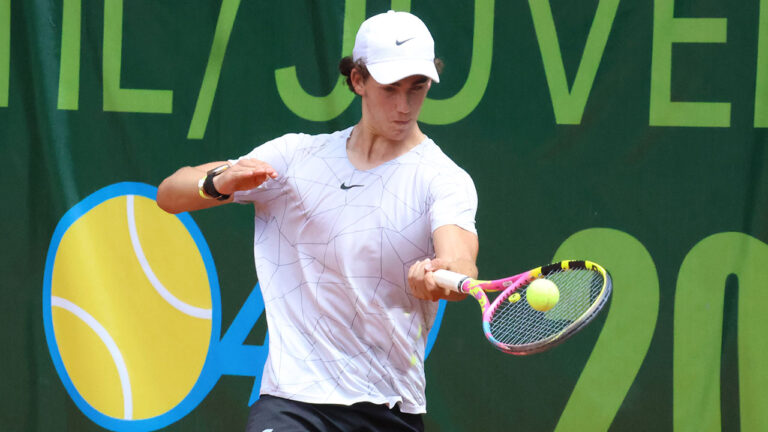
131, 308
542, 295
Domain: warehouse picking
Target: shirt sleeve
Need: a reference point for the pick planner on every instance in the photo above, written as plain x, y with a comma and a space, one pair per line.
278, 153
454, 201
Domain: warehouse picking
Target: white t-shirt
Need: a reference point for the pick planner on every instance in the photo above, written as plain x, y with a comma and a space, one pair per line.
333, 246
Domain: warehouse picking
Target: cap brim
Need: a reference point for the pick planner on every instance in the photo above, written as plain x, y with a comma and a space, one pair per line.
392, 71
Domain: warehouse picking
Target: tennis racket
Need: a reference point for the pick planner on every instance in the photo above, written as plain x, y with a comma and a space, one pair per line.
513, 326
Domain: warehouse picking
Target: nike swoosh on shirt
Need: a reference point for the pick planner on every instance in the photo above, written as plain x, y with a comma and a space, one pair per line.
345, 187
400, 42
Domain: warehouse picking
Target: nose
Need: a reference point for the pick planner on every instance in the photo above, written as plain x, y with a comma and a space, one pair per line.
403, 104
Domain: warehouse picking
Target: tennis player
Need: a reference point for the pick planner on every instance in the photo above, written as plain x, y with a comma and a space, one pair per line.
348, 228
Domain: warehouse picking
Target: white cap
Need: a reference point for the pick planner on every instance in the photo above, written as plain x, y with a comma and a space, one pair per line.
395, 45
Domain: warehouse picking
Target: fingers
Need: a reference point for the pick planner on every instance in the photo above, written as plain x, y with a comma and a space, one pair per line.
422, 281
435, 264
262, 168
246, 174
254, 167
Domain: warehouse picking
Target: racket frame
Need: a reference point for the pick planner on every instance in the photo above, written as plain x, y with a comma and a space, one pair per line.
509, 285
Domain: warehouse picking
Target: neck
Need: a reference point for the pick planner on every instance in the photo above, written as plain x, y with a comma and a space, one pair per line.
367, 148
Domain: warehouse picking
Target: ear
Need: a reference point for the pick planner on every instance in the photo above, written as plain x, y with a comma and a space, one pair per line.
357, 81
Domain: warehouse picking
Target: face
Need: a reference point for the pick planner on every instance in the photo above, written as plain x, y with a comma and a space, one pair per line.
392, 109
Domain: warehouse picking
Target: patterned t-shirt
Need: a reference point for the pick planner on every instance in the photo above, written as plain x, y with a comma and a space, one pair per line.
333, 245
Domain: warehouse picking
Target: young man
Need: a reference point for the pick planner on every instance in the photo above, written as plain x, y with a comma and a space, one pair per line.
349, 227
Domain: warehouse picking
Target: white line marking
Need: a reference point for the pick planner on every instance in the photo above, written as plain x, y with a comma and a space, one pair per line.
164, 293
102, 333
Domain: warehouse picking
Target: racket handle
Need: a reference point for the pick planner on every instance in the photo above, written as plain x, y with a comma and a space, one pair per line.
449, 280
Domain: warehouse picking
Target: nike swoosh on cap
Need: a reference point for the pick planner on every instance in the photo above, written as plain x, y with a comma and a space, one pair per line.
400, 42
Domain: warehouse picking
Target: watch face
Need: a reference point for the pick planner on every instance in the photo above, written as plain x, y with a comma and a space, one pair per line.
218, 170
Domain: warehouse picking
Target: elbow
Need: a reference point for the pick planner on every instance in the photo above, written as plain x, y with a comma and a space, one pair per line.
167, 208
164, 199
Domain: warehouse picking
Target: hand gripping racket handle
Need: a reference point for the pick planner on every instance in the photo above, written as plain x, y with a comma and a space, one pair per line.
449, 280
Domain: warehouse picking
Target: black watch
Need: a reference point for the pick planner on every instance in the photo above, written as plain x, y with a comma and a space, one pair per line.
207, 189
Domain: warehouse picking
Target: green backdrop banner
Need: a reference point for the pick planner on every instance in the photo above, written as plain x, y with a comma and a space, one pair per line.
632, 133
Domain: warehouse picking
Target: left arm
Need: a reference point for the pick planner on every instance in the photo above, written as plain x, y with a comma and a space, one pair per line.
456, 250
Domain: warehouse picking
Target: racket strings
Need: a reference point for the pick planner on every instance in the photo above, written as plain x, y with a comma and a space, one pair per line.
518, 324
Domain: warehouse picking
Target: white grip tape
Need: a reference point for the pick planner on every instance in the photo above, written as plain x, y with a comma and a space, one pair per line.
448, 279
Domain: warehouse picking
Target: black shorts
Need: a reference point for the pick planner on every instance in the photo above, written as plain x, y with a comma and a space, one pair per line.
274, 414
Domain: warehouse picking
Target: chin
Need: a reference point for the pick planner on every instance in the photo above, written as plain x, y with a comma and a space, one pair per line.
399, 135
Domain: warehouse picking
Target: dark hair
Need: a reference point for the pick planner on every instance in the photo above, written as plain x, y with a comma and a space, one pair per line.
347, 64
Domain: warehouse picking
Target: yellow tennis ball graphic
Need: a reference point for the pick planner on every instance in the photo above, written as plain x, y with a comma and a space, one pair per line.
131, 308
542, 294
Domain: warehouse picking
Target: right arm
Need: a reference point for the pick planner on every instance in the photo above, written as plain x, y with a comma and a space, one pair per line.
179, 192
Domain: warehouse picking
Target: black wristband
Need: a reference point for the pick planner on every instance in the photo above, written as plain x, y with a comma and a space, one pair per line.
209, 188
